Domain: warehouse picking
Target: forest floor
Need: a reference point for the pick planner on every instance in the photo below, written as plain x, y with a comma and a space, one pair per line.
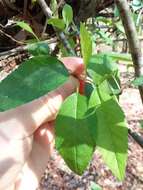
58, 177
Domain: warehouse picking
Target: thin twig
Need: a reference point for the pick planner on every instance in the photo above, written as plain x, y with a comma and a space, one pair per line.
61, 35
58, 6
44, 28
47, 11
22, 48
1, 26
9, 36
136, 137
132, 36
124, 39
67, 45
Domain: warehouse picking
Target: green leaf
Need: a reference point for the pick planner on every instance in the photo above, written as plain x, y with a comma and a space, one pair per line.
94, 99
63, 50
104, 72
54, 7
67, 14
120, 27
39, 48
99, 94
112, 136
30, 41
103, 35
56, 22
116, 11
107, 21
117, 56
101, 68
138, 81
75, 131
33, 78
141, 124
26, 27
114, 85
94, 186
86, 44
111, 131
34, 1
137, 4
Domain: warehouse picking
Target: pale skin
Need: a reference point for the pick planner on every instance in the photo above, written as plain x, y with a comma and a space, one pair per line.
27, 134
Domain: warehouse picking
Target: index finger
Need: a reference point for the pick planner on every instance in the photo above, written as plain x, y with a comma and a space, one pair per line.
74, 65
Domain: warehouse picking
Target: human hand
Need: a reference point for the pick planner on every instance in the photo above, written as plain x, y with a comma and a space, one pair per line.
27, 135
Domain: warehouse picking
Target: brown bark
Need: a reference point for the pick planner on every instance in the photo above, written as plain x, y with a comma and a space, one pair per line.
133, 40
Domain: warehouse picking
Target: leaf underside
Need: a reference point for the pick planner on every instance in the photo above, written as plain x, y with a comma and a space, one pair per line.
112, 133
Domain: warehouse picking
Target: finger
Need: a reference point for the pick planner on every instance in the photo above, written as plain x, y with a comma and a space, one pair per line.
24, 120
44, 135
74, 65
43, 146
51, 103
13, 156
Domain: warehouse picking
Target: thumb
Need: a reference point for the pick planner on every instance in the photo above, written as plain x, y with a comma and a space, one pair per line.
24, 120
51, 103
